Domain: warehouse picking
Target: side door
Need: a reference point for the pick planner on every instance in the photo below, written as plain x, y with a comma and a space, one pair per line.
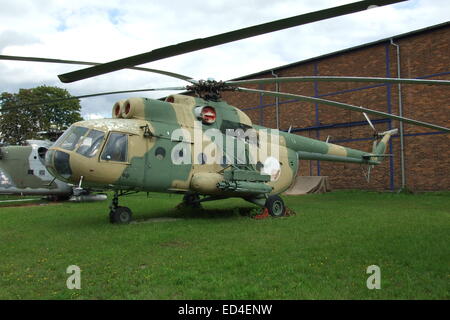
163, 171
119, 159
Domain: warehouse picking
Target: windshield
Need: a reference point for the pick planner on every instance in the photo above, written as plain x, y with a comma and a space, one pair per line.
86, 142
70, 138
91, 143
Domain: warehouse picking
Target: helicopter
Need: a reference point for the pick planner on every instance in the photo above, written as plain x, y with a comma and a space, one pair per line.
23, 172
196, 144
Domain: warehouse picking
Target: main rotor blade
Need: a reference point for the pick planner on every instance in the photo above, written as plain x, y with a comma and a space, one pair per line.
337, 79
37, 59
89, 96
345, 106
202, 43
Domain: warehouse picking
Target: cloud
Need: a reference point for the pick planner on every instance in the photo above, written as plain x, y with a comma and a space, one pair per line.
100, 31
14, 38
93, 116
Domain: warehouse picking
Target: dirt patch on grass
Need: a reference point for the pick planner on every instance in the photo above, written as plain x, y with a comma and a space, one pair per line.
18, 205
175, 244
163, 219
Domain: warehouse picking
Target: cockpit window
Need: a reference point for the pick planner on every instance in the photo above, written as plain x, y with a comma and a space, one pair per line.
70, 139
116, 147
63, 136
90, 144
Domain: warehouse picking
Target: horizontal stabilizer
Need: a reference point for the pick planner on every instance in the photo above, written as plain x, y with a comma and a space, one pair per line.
303, 155
368, 156
390, 132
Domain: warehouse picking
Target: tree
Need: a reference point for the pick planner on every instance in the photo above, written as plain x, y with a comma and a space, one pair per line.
22, 123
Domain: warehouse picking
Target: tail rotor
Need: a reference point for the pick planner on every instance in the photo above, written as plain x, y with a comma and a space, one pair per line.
380, 140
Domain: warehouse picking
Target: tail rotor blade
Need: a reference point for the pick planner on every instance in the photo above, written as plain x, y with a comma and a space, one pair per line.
370, 122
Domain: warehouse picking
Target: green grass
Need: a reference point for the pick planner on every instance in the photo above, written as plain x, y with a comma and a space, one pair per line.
220, 253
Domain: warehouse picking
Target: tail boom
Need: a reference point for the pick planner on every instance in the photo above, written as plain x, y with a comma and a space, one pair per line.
311, 149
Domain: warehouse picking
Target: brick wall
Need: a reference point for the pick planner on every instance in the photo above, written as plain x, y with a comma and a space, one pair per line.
427, 152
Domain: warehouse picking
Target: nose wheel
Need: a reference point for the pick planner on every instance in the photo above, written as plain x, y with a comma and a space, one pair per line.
117, 214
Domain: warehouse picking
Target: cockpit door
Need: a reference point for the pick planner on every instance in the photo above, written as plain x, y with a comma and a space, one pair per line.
120, 154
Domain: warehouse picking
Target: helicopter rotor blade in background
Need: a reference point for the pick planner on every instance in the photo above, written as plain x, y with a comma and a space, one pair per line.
202, 43
90, 96
338, 79
344, 106
49, 60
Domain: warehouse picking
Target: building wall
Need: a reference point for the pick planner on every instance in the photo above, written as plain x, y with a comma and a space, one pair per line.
424, 54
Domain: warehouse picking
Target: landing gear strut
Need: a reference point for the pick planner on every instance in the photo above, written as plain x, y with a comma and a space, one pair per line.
191, 200
118, 214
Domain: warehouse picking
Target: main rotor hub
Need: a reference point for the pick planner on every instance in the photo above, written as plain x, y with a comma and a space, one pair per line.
210, 89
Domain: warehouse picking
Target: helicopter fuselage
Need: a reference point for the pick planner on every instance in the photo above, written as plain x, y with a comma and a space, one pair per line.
184, 144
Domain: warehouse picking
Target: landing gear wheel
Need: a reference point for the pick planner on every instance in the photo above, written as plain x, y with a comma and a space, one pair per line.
275, 206
120, 215
191, 200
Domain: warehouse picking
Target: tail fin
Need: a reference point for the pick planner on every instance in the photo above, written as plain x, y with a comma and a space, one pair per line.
378, 151
379, 148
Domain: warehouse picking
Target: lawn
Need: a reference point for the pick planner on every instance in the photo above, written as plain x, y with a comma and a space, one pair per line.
219, 252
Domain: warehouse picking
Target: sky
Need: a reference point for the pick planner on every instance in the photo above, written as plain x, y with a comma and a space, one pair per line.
102, 31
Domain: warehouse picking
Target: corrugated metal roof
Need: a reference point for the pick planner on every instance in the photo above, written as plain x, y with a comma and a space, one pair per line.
403, 35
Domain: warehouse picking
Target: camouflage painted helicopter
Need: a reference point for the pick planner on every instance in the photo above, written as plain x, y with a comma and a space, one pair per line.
23, 172
201, 146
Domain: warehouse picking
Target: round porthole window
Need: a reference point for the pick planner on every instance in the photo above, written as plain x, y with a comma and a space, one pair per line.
160, 153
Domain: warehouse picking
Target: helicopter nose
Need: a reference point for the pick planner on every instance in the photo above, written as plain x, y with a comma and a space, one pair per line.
58, 164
